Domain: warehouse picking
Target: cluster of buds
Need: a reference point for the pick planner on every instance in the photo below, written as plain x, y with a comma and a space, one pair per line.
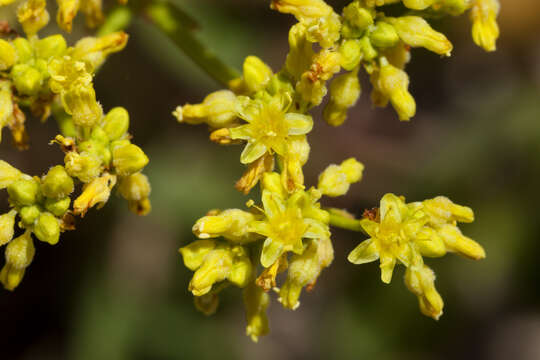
49, 77
269, 112
402, 233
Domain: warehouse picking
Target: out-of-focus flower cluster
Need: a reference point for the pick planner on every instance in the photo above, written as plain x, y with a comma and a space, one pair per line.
268, 112
47, 76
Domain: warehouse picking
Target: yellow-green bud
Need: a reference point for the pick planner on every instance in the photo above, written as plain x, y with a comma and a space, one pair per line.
6, 106
256, 301
416, 32
485, 30
335, 180
116, 123
57, 183
217, 110
351, 54
100, 136
27, 79
94, 50
302, 9
256, 73
194, 253
19, 254
394, 83
232, 224
81, 103
33, 16
129, 159
357, 16
8, 174
383, 35
418, 4
23, 192
422, 284
241, 271
454, 7
368, 51
216, 267
47, 228
7, 227
455, 241
50, 46
134, 187
85, 166
58, 207
344, 92
24, 49
7, 55
67, 10
29, 214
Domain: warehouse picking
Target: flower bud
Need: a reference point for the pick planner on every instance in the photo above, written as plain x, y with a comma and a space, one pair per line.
358, 16
95, 193
7, 55
94, 50
27, 79
232, 224
217, 110
57, 183
8, 174
29, 214
335, 180
23, 192
67, 10
7, 227
80, 102
368, 51
344, 92
241, 271
129, 159
47, 228
116, 123
418, 4
140, 207
422, 284
33, 16
19, 254
303, 270
351, 54
302, 9
256, 302
485, 30
443, 211
416, 32
50, 46
394, 83
134, 187
58, 207
85, 166
383, 35
429, 243
23, 49
215, 268
455, 241
256, 73
194, 253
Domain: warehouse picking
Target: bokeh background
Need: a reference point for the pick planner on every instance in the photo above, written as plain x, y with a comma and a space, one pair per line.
116, 288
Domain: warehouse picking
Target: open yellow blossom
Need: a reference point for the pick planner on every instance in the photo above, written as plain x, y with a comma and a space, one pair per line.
270, 127
288, 220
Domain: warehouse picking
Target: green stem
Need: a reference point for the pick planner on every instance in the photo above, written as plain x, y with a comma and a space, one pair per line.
341, 219
118, 19
168, 19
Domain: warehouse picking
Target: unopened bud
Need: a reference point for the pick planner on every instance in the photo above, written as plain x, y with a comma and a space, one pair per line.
116, 123
47, 228
129, 159
23, 192
57, 183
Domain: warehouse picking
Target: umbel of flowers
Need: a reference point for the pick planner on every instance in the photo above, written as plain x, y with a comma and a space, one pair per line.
267, 112
46, 76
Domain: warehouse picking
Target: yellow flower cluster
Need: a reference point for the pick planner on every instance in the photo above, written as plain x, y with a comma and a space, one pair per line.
49, 77
268, 112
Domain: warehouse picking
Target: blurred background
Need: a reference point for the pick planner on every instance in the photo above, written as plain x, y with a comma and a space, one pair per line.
117, 289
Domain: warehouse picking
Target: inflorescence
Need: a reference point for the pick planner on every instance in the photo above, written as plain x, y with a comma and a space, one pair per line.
268, 113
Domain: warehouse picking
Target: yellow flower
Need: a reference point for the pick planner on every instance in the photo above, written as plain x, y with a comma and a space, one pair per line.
270, 127
287, 220
95, 193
